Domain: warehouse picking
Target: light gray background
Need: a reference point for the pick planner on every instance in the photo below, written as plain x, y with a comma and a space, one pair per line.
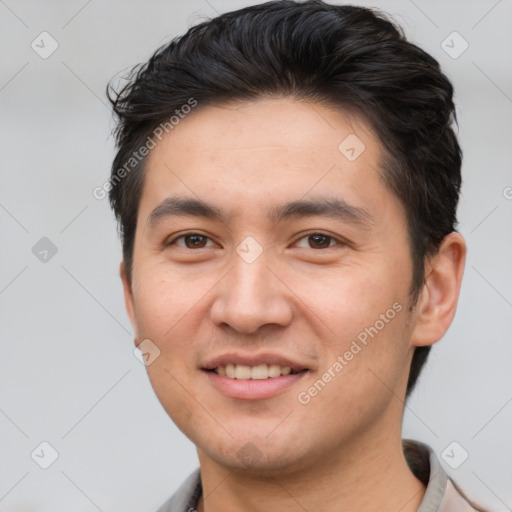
68, 375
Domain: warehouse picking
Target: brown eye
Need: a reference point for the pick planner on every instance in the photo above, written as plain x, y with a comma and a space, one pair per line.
195, 241
191, 241
319, 241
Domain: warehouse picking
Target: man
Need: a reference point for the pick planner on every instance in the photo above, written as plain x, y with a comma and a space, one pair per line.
286, 186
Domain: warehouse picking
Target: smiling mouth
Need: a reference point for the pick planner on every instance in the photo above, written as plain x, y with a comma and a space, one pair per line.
259, 372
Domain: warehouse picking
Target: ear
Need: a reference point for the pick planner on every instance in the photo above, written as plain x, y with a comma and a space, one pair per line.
437, 303
128, 296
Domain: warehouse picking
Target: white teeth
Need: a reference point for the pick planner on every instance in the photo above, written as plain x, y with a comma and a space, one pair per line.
230, 371
242, 372
259, 372
274, 370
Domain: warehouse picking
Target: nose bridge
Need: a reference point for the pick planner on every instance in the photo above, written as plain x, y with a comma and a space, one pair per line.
250, 275
251, 295
250, 279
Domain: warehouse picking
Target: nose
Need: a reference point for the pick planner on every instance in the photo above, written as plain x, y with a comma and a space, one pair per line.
251, 296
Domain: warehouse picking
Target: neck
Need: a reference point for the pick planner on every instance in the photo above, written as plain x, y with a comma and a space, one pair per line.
367, 476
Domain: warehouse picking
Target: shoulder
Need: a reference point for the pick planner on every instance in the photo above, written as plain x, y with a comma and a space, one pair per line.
455, 500
185, 498
441, 494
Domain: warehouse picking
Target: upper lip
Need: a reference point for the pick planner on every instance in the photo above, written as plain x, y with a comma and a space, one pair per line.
252, 360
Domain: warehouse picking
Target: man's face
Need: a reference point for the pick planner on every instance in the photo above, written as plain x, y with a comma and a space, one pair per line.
323, 293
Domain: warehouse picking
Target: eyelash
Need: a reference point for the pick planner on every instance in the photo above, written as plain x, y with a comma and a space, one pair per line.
338, 242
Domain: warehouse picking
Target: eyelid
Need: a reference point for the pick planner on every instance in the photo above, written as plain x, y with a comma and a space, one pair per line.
338, 241
172, 240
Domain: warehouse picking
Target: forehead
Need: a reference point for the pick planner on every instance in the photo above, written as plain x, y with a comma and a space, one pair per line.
241, 155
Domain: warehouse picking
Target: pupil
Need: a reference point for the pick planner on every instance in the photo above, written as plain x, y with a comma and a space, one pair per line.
317, 240
196, 240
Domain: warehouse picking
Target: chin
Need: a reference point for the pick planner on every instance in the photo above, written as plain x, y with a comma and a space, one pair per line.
252, 460
253, 453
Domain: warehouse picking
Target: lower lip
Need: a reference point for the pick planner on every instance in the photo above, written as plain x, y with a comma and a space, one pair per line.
253, 389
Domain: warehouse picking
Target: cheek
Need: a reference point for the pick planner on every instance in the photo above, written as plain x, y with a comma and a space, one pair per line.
351, 300
365, 337
163, 301
360, 381
170, 388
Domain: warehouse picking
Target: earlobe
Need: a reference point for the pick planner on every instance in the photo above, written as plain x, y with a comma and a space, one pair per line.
438, 300
128, 296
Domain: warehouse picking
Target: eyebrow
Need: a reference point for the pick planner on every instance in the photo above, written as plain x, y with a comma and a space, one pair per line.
335, 208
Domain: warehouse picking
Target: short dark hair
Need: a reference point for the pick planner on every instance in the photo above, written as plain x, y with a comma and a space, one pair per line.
344, 56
